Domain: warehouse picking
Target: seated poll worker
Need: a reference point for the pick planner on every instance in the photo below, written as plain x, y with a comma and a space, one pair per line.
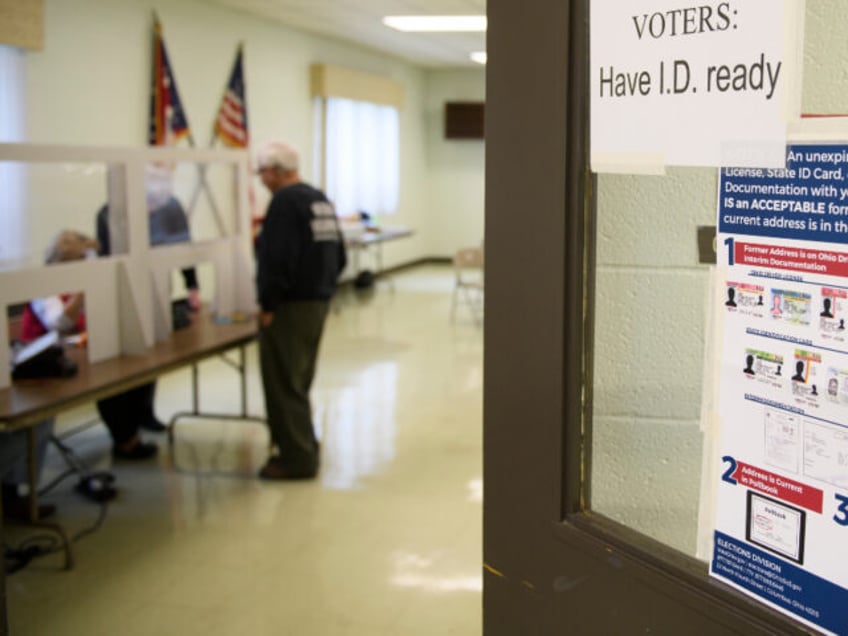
299, 256
14, 470
123, 414
167, 223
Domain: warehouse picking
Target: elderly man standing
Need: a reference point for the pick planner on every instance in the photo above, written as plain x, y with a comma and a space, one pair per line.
300, 254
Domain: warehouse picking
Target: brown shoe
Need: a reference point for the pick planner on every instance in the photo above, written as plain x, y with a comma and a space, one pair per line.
137, 450
274, 469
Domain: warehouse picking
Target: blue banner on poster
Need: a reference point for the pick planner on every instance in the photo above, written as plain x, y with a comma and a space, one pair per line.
806, 201
791, 588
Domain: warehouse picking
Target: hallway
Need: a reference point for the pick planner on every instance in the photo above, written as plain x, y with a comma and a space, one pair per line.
387, 541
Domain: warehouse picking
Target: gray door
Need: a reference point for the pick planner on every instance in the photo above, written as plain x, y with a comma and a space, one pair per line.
579, 535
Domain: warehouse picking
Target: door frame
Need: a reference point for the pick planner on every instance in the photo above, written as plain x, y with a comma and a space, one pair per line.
551, 565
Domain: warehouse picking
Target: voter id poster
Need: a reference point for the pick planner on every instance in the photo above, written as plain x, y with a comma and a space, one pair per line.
781, 528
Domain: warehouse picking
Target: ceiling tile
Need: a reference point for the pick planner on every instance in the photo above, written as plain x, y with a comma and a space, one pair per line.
359, 21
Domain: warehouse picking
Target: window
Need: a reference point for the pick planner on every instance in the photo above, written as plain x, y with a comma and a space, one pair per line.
360, 154
13, 237
357, 135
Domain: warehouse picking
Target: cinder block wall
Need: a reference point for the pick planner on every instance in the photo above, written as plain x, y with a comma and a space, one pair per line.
651, 311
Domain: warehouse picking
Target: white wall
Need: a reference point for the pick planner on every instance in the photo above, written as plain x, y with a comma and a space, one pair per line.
90, 85
455, 168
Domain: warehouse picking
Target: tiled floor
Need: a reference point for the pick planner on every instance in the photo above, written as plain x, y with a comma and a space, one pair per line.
387, 541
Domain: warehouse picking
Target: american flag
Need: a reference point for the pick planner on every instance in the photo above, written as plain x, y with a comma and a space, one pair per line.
231, 123
231, 126
168, 122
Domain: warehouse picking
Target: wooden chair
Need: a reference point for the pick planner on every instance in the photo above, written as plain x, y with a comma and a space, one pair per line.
468, 282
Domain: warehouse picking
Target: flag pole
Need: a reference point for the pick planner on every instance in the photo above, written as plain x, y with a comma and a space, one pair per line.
202, 175
203, 185
159, 136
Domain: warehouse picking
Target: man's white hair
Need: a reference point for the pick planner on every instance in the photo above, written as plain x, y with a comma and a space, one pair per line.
278, 154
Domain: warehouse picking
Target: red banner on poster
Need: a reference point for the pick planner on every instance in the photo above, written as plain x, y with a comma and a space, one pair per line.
779, 487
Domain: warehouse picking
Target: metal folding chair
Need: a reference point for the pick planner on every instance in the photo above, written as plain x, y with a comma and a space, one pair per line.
468, 282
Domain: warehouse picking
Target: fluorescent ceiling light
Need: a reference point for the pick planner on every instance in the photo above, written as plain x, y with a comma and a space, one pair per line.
479, 57
436, 22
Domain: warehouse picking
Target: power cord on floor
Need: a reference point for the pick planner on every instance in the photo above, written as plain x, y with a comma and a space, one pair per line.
18, 557
94, 486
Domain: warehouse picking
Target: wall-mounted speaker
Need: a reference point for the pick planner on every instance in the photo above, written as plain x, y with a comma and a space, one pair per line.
464, 120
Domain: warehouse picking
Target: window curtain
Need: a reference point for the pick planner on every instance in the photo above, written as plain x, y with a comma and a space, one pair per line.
13, 238
362, 161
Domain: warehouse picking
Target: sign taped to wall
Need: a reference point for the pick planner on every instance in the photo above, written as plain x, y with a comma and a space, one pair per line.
674, 83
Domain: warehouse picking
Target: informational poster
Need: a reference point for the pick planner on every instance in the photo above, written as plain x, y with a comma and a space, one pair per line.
677, 83
782, 495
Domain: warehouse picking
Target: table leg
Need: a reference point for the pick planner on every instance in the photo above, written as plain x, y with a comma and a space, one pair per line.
379, 259
243, 371
4, 620
195, 389
32, 501
32, 475
241, 367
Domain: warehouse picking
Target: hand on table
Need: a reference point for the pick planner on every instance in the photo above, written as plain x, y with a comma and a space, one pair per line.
194, 299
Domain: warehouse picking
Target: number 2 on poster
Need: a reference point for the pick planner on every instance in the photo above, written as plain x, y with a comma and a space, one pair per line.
728, 474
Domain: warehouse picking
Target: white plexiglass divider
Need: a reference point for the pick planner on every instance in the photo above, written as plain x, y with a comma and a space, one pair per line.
127, 295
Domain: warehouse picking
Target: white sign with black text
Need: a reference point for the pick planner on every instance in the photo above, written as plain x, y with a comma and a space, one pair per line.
674, 83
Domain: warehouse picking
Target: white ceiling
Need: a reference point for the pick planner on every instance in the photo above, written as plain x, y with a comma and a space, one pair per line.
360, 21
